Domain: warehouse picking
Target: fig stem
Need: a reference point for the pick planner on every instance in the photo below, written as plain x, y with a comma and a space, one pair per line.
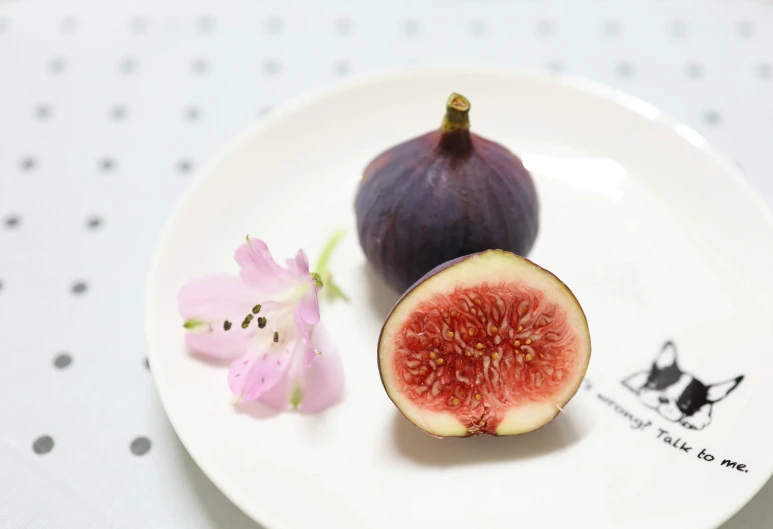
457, 113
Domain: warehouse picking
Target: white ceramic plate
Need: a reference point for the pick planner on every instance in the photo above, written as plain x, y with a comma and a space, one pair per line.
658, 236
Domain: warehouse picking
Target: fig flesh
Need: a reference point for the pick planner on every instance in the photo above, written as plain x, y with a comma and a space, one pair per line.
488, 343
443, 195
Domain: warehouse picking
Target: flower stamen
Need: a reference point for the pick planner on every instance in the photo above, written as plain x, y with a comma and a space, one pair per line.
226, 325
276, 337
247, 320
256, 309
192, 324
262, 322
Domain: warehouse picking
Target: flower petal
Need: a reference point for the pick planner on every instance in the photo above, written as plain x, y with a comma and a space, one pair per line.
205, 304
257, 372
217, 345
300, 265
324, 383
215, 296
309, 353
279, 395
308, 307
314, 388
259, 269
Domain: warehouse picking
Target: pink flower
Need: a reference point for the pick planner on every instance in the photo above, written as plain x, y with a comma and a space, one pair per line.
266, 322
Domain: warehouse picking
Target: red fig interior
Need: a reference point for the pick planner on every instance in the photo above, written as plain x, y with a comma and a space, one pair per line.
490, 344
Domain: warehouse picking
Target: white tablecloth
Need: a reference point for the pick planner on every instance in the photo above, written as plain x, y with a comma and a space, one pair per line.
108, 108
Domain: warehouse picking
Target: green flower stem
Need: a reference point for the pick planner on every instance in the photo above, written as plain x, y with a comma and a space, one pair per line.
323, 274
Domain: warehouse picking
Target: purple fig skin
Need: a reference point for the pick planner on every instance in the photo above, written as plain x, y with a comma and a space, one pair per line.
442, 195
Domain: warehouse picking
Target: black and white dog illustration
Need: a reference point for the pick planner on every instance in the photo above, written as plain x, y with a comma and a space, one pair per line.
676, 395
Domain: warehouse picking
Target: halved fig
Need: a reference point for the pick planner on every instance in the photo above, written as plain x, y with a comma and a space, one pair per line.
489, 343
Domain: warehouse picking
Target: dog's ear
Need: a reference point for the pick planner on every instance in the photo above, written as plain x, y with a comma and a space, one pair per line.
717, 392
636, 381
667, 356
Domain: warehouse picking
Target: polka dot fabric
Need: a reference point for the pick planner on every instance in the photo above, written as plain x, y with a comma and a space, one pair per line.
108, 111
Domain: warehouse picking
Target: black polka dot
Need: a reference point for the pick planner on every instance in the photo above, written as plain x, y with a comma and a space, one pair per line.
118, 112
411, 27
555, 66
712, 117
693, 70
69, 25
678, 28
476, 28
43, 445
28, 163
343, 25
107, 164
192, 113
612, 28
342, 68
184, 166
263, 111
274, 25
138, 25
128, 66
1, 285
271, 67
140, 446
764, 70
624, 69
62, 360
43, 112
206, 24
12, 221
200, 66
147, 363
93, 223
79, 287
744, 29
545, 28
57, 65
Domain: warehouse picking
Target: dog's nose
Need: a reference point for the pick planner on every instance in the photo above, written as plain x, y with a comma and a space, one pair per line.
663, 400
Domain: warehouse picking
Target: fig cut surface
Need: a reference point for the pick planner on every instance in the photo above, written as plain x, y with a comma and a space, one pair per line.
488, 343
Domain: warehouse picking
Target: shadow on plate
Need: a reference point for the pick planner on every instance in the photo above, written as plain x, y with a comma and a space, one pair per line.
380, 295
207, 360
414, 444
256, 410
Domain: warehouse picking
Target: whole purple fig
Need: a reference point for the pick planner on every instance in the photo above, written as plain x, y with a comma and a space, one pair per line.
443, 195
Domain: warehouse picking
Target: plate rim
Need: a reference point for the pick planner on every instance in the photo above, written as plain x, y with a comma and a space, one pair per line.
634, 104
